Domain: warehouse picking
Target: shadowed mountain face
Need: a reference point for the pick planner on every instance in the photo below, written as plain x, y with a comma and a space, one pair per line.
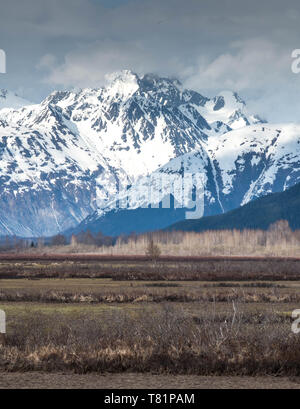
63, 161
258, 214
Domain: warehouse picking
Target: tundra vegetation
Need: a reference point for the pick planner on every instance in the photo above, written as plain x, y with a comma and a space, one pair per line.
212, 316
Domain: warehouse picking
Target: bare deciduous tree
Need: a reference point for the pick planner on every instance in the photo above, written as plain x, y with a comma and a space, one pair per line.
153, 251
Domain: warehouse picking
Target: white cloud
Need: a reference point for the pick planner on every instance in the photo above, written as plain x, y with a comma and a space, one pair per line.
47, 62
75, 43
247, 64
257, 68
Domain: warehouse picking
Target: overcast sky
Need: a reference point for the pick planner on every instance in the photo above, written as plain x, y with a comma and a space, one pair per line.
210, 45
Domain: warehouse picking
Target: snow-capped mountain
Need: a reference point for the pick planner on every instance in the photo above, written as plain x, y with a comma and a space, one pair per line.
235, 168
65, 158
228, 108
256, 161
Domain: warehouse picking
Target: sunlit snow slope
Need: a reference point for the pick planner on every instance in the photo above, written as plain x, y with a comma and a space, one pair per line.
63, 160
237, 167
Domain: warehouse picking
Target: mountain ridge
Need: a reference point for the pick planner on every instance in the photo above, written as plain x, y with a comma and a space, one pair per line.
258, 214
66, 158
258, 160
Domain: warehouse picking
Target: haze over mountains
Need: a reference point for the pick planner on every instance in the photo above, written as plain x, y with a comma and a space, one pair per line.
11, 100
63, 161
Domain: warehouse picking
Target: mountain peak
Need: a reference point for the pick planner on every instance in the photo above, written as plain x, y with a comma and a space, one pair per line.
68, 155
229, 108
155, 80
232, 98
122, 83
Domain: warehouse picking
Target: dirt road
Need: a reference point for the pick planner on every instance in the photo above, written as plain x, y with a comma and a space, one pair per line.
39, 380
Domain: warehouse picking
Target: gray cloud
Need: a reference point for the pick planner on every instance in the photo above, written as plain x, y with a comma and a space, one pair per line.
209, 45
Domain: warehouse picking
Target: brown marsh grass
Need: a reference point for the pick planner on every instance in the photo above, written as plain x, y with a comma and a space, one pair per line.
167, 341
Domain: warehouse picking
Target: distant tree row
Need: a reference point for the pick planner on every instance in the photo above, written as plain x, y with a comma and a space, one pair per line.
13, 243
279, 239
87, 238
9, 243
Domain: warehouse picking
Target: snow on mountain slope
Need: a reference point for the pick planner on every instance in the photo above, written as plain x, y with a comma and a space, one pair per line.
9, 100
42, 181
255, 161
130, 125
236, 168
66, 157
229, 109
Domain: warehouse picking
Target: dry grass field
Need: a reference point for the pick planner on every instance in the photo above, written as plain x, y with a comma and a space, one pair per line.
199, 319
